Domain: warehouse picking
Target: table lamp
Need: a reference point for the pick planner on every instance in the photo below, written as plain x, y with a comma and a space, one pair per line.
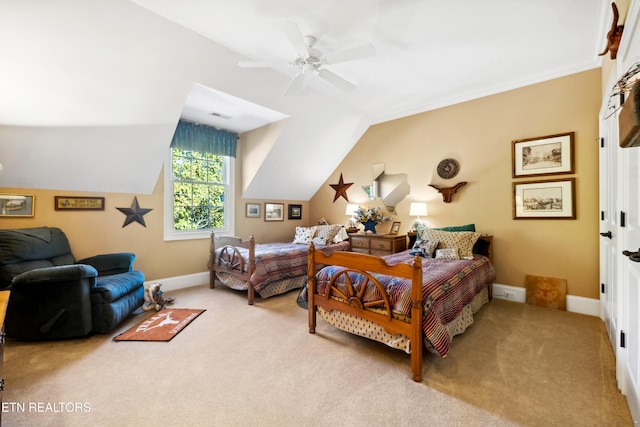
417, 209
351, 209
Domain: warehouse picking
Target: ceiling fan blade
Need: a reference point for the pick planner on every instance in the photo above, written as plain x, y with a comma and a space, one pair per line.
358, 52
295, 85
296, 39
259, 64
336, 80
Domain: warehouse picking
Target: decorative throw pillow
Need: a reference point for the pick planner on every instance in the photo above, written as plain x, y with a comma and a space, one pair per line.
319, 241
424, 248
341, 236
447, 253
328, 232
478, 248
304, 235
462, 240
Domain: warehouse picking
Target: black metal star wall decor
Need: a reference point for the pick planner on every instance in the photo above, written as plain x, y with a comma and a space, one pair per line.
134, 213
341, 189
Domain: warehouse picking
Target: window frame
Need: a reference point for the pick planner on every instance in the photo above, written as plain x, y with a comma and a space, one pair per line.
229, 204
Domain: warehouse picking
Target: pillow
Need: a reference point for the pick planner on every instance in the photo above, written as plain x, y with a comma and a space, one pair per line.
462, 240
424, 248
447, 253
480, 246
328, 232
466, 227
341, 236
304, 235
319, 241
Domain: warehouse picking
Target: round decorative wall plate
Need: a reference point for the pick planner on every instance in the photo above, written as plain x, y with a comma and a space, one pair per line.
448, 168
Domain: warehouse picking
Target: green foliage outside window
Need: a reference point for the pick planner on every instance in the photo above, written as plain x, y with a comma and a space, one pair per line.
198, 190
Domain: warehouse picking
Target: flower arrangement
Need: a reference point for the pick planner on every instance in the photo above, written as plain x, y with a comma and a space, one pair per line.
370, 215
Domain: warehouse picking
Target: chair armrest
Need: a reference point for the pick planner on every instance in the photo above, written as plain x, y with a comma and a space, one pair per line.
62, 273
109, 264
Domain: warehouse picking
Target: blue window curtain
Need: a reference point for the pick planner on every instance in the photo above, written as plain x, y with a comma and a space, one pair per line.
205, 139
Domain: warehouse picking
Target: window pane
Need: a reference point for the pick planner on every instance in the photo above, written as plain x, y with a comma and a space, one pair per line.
182, 194
199, 201
200, 169
200, 194
181, 168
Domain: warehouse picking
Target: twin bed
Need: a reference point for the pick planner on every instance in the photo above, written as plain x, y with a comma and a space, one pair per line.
270, 268
403, 300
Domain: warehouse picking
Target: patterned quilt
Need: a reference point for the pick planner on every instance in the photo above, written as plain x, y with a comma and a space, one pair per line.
282, 260
448, 286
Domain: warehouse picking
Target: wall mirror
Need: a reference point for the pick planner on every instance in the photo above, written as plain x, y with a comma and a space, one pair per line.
390, 188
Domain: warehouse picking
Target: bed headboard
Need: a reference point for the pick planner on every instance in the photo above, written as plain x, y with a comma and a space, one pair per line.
224, 256
484, 246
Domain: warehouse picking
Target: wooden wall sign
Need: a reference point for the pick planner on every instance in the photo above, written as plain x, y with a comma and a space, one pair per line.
74, 203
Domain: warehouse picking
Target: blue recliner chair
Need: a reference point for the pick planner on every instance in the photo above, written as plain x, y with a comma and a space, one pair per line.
53, 296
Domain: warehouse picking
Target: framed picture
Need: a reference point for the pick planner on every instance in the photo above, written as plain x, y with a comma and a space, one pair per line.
395, 227
73, 203
545, 155
274, 212
295, 211
550, 199
17, 205
253, 210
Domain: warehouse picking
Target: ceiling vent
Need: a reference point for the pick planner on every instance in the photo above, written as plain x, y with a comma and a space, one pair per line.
222, 116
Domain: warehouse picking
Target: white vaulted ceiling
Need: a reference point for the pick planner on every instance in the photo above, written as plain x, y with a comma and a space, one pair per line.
102, 83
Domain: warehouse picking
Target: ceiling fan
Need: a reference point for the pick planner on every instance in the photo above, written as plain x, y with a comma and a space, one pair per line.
310, 60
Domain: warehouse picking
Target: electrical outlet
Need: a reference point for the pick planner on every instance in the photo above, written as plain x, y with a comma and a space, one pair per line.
509, 295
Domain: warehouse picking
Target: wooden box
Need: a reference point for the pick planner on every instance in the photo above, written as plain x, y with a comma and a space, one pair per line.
629, 119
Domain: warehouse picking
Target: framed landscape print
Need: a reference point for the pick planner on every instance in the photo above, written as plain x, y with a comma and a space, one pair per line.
295, 212
546, 155
274, 212
16, 205
550, 199
253, 210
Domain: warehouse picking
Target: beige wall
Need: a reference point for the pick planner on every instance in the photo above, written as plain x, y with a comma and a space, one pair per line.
95, 232
478, 134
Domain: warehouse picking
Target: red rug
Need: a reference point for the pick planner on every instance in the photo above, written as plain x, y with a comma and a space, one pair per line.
162, 326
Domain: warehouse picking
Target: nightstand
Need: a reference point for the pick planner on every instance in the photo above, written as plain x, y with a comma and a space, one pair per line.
412, 235
378, 244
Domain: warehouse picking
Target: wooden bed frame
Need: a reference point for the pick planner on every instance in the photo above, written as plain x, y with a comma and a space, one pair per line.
352, 302
231, 261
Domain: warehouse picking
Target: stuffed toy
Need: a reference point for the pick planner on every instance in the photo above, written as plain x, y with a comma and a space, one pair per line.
153, 299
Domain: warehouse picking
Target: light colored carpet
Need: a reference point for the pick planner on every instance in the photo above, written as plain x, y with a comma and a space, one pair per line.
239, 365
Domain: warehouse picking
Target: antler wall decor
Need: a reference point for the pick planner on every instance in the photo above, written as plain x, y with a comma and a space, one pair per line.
448, 192
614, 35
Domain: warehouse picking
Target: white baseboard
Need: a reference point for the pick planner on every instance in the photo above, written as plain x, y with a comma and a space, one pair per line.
575, 304
179, 282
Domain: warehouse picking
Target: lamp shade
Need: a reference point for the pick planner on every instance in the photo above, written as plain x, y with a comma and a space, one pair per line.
418, 209
351, 209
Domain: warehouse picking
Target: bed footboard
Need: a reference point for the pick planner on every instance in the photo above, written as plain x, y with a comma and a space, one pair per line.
350, 299
225, 257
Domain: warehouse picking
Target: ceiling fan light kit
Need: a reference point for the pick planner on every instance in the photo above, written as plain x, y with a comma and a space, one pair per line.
311, 60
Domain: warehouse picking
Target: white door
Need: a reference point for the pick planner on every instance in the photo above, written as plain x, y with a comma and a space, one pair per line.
620, 254
629, 380
629, 297
608, 223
